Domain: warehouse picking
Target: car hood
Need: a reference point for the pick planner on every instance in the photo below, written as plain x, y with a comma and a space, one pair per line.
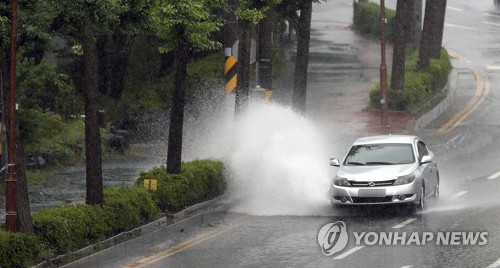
375, 173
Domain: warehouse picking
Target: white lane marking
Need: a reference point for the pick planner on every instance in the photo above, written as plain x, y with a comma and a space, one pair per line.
494, 176
492, 15
459, 194
493, 67
461, 26
495, 264
407, 266
349, 252
403, 224
455, 9
491, 23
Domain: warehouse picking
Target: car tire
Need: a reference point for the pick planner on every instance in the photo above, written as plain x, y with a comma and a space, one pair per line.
436, 191
420, 206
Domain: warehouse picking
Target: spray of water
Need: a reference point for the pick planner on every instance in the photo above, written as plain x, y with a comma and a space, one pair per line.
276, 160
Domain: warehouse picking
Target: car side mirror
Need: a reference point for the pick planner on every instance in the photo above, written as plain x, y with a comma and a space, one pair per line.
426, 159
334, 162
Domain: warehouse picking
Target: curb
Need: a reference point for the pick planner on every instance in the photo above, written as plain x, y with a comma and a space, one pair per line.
430, 116
123, 244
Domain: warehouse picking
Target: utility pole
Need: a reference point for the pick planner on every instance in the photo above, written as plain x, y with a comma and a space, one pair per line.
383, 67
11, 179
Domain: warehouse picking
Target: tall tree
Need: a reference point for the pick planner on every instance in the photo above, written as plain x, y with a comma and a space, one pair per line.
185, 26
245, 28
31, 40
432, 33
438, 40
302, 58
404, 10
266, 52
84, 21
249, 13
415, 32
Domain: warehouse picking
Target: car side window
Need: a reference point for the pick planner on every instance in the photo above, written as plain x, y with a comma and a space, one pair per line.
422, 149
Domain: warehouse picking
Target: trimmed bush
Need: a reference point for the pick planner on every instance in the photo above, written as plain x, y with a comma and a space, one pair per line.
18, 249
200, 180
419, 88
67, 228
366, 21
128, 208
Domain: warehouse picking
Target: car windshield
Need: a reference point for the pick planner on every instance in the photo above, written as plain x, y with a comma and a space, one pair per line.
380, 154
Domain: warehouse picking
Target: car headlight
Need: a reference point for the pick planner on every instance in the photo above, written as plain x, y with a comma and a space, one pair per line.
405, 179
339, 181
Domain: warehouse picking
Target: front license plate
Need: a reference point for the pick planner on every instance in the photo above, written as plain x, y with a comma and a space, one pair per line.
371, 193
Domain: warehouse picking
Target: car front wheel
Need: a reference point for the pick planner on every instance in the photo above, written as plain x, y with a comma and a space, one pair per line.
421, 202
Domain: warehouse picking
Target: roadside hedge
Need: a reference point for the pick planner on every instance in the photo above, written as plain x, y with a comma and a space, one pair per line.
366, 21
19, 250
420, 86
200, 180
67, 228
63, 229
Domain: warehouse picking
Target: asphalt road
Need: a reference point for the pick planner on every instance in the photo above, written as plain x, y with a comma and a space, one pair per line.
466, 140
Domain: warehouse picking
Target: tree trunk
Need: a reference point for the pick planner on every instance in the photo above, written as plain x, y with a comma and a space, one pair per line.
438, 40
174, 155
403, 16
415, 32
119, 64
243, 83
24, 220
95, 195
432, 32
302, 58
266, 53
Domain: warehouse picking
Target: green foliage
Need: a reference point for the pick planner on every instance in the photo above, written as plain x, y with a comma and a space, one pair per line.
43, 88
200, 180
49, 133
71, 14
67, 228
63, 229
205, 76
254, 11
419, 88
208, 68
191, 20
128, 207
366, 20
18, 249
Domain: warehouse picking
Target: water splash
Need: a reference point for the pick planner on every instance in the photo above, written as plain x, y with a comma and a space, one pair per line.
276, 160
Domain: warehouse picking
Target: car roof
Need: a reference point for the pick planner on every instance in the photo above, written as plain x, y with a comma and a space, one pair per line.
386, 139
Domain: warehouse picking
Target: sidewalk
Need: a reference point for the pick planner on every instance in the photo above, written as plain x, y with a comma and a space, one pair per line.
343, 68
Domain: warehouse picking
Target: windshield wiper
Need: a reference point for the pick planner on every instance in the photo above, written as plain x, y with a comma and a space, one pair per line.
355, 163
379, 163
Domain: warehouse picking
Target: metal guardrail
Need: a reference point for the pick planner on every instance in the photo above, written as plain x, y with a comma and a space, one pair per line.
138, 240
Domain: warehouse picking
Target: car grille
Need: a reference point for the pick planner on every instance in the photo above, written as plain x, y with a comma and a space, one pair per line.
386, 199
374, 183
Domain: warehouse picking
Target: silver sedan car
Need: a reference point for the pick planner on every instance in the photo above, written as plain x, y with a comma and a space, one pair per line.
386, 169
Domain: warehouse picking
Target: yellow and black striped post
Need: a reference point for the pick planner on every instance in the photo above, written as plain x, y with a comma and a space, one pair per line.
230, 74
